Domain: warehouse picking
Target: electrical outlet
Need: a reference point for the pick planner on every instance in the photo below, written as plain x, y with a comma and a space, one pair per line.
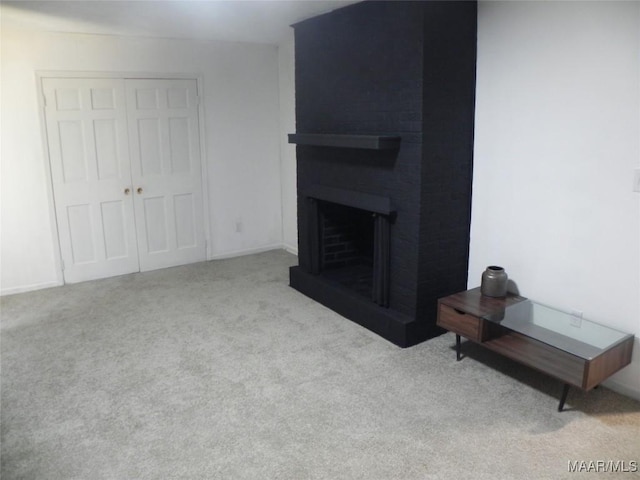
576, 318
239, 226
636, 180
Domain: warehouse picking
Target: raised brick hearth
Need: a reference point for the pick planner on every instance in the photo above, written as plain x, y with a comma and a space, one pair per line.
385, 97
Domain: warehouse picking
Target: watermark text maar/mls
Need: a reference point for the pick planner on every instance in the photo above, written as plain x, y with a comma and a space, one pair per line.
603, 466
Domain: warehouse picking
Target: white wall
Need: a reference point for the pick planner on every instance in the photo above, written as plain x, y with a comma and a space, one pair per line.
556, 143
286, 60
241, 139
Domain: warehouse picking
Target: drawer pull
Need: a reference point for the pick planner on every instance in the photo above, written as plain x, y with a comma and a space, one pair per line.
460, 312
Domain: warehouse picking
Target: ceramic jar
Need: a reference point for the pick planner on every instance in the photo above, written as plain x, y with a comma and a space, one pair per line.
494, 282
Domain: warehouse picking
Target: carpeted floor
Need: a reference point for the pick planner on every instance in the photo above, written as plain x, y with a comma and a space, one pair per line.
220, 370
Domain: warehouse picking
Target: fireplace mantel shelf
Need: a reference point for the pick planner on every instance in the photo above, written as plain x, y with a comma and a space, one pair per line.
369, 142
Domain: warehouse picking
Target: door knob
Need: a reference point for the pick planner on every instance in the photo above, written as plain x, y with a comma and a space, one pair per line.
127, 191
139, 190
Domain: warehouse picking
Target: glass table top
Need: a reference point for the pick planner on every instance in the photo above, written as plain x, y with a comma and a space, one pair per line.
578, 336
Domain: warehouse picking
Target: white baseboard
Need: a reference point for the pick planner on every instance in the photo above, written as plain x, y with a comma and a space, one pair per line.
622, 389
249, 251
292, 249
220, 256
29, 288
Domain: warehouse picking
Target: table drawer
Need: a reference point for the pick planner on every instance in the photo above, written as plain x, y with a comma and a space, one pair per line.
459, 322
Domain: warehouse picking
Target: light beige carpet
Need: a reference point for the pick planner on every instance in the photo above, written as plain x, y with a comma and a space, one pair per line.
221, 370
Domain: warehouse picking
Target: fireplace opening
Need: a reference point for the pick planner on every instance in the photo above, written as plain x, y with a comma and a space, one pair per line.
347, 246
350, 246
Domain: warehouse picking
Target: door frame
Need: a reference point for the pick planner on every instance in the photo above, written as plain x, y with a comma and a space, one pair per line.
53, 220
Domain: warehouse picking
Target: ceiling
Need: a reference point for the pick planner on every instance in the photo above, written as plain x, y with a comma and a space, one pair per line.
256, 21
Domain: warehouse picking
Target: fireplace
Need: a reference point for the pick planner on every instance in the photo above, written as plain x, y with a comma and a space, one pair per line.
385, 95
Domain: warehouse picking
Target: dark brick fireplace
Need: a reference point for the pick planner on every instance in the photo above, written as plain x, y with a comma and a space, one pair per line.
385, 96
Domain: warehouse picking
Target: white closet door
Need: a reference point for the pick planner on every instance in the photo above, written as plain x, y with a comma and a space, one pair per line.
166, 171
87, 135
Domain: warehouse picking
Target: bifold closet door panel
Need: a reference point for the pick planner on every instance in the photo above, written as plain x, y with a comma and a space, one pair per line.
166, 170
86, 122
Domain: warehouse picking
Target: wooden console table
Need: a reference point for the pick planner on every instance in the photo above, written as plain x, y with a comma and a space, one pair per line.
578, 352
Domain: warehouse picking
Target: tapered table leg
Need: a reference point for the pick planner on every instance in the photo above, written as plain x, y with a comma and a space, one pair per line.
457, 347
563, 398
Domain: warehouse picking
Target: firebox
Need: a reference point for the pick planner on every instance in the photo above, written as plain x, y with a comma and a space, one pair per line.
346, 246
349, 246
